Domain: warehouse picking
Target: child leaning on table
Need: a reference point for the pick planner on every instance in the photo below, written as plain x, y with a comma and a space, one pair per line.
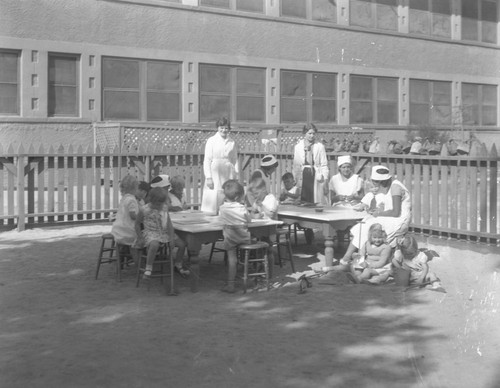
409, 257
123, 229
158, 228
290, 192
235, 218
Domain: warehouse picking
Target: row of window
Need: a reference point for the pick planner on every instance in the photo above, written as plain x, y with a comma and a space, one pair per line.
143, 90
427, 17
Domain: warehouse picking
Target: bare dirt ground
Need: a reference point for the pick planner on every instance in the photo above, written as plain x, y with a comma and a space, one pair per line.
59, 327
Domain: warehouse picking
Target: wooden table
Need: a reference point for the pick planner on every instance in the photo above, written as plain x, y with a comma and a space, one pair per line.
197, 228
329, 220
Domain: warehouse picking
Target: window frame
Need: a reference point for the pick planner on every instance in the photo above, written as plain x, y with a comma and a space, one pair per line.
481, 24
431, 17
17, 83
375, 101
480, 104
234, 5
310, 11
52, 86
142, 90
376, 13
233, 94
309, 97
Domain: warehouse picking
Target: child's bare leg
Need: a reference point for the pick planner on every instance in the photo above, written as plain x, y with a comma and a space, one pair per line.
150, 258
348, 254
232, 261
136, 255
179, 256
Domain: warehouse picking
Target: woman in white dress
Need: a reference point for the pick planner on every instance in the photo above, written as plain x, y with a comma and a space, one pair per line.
345, 186
394, 218
310, 166
220, 164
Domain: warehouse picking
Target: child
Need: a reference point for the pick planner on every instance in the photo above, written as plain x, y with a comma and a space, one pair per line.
408, 256
142, 192
374, 257
265, 204
158, 228
235, 218
290, 193
177, 203
123, 229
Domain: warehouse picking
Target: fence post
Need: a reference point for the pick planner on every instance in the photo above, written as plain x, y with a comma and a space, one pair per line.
21, 218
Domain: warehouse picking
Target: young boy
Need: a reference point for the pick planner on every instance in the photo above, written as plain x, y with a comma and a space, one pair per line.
290, 193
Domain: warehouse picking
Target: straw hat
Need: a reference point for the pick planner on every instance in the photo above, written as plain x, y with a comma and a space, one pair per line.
344, 159
380, 173
269, 161
160, 181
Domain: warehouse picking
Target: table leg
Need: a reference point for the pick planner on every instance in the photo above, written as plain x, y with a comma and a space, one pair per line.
194, 257
329, 251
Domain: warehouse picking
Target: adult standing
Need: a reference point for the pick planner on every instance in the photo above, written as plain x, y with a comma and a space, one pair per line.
395, 216
345, 186
310, 166
220, 164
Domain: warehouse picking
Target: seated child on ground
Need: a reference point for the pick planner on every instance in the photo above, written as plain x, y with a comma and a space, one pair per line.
177, 202
235, 218
374, 257
408, 256
290, 192
158, 228
123, 229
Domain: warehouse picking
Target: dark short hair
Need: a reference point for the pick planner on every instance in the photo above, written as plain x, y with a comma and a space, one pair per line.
309, 126
223, 122
233, 189
144, 186
287, 175
157, 195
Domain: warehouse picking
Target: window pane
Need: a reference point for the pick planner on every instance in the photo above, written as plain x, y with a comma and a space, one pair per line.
215, 79
8, 66
489, 32
250, 109
489, 11
361, 13
62, 70
489, 95
163, 106
215, 3
470, 115
62, 101
250, 5
422, 5
387, 17
293, 110
118, 73
419, 91
441, 25
163, 76
361, 112
250, 81
470, 94
470, 9
323, 86
324, 10
420, 22
489, 115
213, 107
294, 8
387, 89
470, 29
441, 6
442, 93
8, 99
293, 84
440, 115
121, 105
419, 114
361, 88
324, 111
387, 113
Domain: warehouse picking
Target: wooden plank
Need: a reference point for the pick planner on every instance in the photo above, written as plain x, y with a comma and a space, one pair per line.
453, 194
443, 194
473, 185
51, 183
97, 184
61, 186
30, 186
89, 182
494, 182
41, 187
426, 192
21, 221
80, 181
417, 204
435, 192
70, 203
483, 196
463, 211
107, 181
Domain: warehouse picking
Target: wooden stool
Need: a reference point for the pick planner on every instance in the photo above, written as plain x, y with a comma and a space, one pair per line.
254, 255
162, 259
287, 244
215, 249
107, 255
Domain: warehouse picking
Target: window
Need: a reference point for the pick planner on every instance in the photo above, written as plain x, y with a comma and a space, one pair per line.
141, 90
430, 102
431, 17
479, 20
239, 5
63, 85
322, 10
380, 14
9, 83
373, 100
308, 97
294, 8
479, 104
236, 92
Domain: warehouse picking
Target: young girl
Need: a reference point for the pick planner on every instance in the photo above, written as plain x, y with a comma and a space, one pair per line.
375, 255
177, 203
408, 256
158, 228
235, 218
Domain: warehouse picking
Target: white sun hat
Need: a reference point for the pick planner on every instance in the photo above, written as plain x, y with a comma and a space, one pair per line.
343, 159
380, 173
160, 181
268, 161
